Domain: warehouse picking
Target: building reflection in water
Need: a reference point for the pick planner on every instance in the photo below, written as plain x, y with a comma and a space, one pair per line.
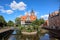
17, 36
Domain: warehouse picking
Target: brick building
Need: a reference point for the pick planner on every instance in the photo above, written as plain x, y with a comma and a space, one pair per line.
54, 19
46, 23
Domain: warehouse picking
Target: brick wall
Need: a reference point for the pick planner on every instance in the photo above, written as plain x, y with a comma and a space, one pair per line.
54, 20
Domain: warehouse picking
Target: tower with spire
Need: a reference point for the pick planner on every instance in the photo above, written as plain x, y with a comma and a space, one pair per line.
32, 12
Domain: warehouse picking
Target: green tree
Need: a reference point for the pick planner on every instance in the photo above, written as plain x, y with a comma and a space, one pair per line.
38, 22
10, 23
41, 21
2, 21
18, 21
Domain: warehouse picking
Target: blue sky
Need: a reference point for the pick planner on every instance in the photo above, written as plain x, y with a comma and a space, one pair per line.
10, 9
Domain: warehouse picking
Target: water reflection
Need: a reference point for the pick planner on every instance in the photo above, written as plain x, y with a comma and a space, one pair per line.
12, 37
17, 36
45, 37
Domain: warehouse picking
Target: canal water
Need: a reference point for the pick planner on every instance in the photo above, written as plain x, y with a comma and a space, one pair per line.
16, 35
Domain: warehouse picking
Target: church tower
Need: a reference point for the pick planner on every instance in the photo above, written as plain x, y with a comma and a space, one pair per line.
32, 13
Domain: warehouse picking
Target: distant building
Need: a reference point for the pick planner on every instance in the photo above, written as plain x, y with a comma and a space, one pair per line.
28, 18
54, 19
46, 23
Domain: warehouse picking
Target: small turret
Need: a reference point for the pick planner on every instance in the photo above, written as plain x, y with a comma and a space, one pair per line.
27, 14
49, 15
59, 9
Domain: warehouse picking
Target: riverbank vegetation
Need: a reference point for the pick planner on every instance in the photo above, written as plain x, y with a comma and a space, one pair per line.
34, 26
4, 23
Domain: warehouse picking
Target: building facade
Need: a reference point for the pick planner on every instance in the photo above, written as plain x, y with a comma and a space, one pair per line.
28, 18
54, 19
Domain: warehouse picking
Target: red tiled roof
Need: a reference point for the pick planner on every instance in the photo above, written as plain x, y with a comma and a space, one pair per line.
32, 18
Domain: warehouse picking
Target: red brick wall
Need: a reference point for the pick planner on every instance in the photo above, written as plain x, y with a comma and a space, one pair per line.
54, 20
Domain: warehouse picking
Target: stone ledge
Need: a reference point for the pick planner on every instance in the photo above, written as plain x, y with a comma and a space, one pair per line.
29, 33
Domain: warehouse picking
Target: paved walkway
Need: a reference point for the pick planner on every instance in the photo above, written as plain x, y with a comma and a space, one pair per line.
5, 29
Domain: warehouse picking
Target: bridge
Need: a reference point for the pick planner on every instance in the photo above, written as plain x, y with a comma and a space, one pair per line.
4, 32
6, 29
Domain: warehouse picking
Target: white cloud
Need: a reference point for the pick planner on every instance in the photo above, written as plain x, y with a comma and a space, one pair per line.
9, 11
5, 11
1, 7
45, 16
36, 13
19, 16
2, 10
27, 13
20, 6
